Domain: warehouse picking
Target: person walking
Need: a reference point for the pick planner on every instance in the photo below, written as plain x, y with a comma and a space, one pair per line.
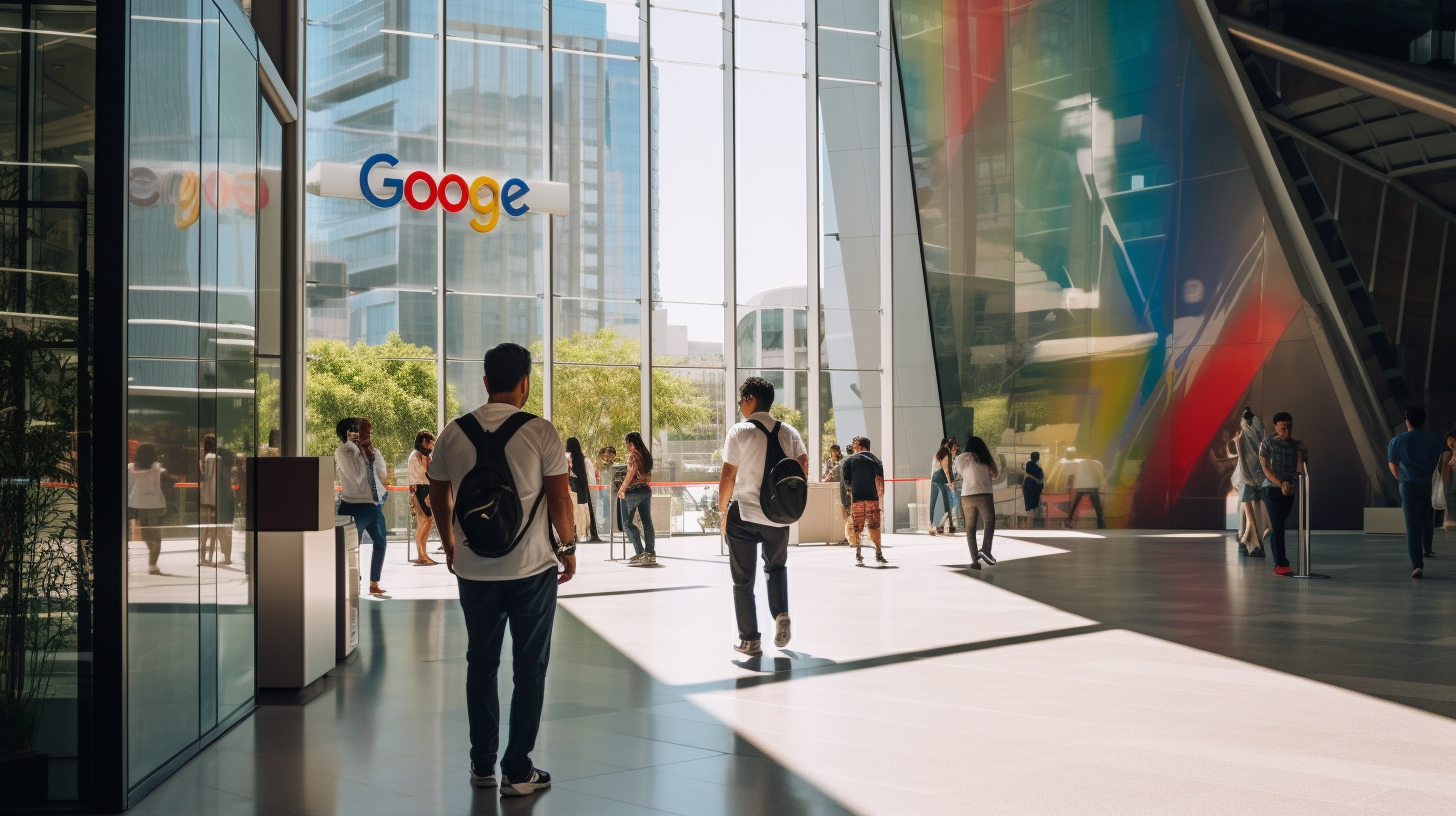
146, 501
1413, 456
745, 527
865, 476
1281, 457
580, 488
1031, 488
517, 589
361, 477
1088, 478
978, 470
1253, 518
419, 487
635, 496
940, 495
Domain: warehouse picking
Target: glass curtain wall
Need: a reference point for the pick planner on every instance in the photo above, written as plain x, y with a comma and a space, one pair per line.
47, 159
192, 279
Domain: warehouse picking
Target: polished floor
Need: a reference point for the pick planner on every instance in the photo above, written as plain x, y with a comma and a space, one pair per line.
1089, 672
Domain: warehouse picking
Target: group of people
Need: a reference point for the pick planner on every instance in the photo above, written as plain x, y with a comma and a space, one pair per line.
148, 481
1266, 476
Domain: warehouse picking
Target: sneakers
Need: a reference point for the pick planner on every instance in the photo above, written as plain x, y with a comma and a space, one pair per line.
154, 570
749, 647
975, 565
478, 781
1418, 573
781, 631
537, 780
880, 557
858, 558
649, 559
1283, 571
1257, 552
637, 559
1243, 551
988, 558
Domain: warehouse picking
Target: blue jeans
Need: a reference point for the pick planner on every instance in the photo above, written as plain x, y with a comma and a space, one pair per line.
528, 606
368, 518
1280, 506
940, 503
1415, 500
639, 500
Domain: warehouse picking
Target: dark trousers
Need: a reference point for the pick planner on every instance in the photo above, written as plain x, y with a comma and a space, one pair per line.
528, 605
1415, 500
1095, 496
368, 518
743, 539
639, 500
1280, 506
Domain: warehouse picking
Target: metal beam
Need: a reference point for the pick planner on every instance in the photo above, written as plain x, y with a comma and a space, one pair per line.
644, 223
548, 302
814, 233
730, 223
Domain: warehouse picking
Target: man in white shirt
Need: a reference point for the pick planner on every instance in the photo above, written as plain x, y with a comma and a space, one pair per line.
744, 524
516, 589
362, 489
1088, 479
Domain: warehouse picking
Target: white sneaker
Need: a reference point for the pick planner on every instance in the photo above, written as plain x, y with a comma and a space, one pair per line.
781, 631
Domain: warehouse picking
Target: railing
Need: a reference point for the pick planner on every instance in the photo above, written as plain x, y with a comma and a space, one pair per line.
1301, 486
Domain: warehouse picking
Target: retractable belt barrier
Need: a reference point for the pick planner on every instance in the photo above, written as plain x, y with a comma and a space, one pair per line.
1301, 483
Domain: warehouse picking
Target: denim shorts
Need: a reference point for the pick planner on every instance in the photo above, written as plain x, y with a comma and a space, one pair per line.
1248, 493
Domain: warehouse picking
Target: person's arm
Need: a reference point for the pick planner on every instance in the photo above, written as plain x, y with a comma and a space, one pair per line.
1446, 469
1394, 471
1269, 471
562, 506
629, 478
945, 468
725, 488
880, 487
442, 502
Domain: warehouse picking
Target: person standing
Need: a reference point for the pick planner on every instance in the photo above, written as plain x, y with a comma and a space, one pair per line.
518, 589
576, 474
1448, 470
1088, 479
745, 527
940, 495
419, 486
831, 464
607, 496
146, 501
865, 476
1254, 520
635, 497
1281, 457
978, 470
1031, 488
1413, 457
361, 477
207, 502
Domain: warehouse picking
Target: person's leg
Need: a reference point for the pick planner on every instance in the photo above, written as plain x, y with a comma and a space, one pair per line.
873, 520
531, 611
987, 508
742, 547
857, 520
375, 527
644, 514
151, 534
1279, 507
1428, 523
775, 567
968, 513
1410, 505
628, 507
485, 626
1096, 497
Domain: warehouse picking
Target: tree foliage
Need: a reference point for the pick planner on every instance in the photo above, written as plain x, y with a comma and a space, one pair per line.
394, 384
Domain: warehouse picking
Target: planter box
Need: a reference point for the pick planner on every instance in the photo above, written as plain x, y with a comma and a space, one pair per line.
25, 778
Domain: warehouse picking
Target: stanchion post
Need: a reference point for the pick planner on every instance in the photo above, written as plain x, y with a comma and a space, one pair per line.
1301, 485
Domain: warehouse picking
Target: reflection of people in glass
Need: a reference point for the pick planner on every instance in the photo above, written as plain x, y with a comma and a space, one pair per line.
1248, 479
207, 501
419, 486
144, 498
1031, 488
978, 470
361, 475
1087, 479
217, 504
940, 495
636, 499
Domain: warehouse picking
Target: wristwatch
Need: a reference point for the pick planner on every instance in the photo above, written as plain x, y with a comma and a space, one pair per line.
566, 549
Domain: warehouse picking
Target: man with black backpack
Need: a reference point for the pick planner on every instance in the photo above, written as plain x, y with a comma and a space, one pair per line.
499, 474
762, 491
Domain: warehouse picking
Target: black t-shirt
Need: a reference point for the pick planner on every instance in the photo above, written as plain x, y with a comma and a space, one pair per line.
860, 470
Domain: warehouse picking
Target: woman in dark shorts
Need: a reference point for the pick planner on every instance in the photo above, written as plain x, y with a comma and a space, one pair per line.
419, 484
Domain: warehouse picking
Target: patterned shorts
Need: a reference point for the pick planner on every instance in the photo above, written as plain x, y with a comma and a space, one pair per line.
864, 514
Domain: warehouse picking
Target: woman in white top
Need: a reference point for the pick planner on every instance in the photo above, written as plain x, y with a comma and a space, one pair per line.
978, 470
144, 498
362, 493
419, 485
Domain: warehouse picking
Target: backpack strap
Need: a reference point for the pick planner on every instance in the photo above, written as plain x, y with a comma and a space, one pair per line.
502, 435
774, 446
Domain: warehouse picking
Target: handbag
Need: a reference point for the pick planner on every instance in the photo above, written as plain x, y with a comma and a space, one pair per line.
1438, 490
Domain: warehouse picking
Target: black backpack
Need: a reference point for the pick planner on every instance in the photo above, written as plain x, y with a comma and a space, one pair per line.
784, 490
487, 504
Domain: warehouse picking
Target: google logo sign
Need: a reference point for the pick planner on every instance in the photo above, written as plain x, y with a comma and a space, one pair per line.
452, 192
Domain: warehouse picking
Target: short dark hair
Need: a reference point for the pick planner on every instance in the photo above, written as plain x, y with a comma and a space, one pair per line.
422, 437
505, 365
1282, 416
346, 426
1035, 455
862, 441
1415, 415
761, 390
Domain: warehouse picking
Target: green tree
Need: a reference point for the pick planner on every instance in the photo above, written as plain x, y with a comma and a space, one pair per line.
394, 384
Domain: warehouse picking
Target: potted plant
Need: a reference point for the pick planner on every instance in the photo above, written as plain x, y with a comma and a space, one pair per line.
43, 565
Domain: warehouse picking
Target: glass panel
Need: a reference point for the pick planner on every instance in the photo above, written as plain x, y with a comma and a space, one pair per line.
599, 26
774, 334
270, 406
771, 249
711, 6
270, 234
788, 12
769, 47
861, 15
689, 422
849, 56
492, 20
688, 189
849, 402
343, 380
689, 37
163, 276
687, 334
850, 339
598, 331
465, 388
477, 323
597, 151
849, 284
791, 396
597, 404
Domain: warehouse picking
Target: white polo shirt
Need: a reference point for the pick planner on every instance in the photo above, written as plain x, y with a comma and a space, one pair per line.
534, 452
745, 449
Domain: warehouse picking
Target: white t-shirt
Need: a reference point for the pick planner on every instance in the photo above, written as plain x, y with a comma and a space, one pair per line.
745, 449
976, 477
207, 496
535, 452
1089, 475
144, 488
417, 464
